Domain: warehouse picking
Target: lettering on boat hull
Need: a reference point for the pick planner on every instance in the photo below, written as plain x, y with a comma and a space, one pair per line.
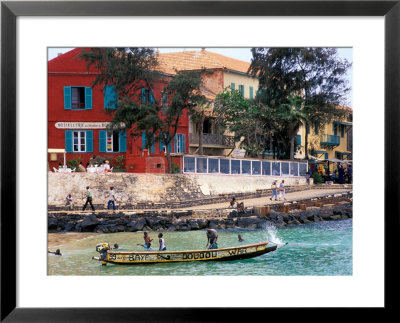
241, 252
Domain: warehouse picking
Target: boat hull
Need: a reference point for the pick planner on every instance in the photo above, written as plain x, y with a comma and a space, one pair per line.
222, 254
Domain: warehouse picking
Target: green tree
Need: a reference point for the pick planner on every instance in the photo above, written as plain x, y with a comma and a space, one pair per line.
294, 114
246, 119
318, 75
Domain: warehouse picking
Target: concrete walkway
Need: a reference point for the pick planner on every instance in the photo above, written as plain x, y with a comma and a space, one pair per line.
261, 201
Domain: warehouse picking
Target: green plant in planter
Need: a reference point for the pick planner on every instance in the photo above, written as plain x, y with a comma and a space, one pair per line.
176, 168
74, 163
317, 178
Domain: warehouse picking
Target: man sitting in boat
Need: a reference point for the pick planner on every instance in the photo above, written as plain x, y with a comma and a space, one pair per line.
212, 236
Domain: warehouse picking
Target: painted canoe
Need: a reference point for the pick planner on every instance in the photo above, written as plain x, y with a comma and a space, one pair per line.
221, 254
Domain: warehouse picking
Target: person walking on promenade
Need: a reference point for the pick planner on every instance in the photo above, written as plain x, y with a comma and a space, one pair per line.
69, 202
212, 237
161, 242
274, 191
89, 199
111, 199
282, 190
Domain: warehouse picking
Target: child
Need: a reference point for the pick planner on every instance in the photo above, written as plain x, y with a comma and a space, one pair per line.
69, 202
147, 241
111, 199
161, 242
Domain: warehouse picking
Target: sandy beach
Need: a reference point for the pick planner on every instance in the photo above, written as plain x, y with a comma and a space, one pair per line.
59, 239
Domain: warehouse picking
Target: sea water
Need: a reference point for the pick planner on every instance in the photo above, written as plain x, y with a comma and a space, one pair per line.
316, 249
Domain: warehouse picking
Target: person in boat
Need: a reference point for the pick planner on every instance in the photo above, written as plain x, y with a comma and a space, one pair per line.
212, 237
57, 252
240, 207
240, 238
147, 241
116, 246
161, 242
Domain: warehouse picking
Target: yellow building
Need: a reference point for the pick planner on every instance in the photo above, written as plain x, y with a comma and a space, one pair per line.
223, 72
328, 140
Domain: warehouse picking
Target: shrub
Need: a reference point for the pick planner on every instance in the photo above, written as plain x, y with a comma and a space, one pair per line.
317, 178
74, 163
175, 168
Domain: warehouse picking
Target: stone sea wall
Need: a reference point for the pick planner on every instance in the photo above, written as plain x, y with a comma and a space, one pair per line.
253, 218
161, 189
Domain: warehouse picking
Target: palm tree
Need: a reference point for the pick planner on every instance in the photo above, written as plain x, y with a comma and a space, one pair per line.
293, 115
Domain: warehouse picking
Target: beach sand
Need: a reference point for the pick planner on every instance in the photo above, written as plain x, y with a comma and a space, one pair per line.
59, 239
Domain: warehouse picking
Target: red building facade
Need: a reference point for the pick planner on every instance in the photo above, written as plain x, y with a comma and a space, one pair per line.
77, 119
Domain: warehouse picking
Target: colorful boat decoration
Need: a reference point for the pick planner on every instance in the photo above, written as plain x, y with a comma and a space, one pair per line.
151, 257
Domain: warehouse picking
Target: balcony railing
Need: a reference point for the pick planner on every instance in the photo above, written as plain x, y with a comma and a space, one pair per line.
330, 140
211, 139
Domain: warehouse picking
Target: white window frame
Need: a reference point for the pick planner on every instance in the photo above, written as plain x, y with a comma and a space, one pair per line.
79, 132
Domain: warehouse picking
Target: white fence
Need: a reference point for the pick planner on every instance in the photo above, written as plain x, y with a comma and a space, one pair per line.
229, 166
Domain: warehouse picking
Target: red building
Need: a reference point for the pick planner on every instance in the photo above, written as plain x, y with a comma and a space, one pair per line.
77, 119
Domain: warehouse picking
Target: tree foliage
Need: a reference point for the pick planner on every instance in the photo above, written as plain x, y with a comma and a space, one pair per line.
317, 75
130, 70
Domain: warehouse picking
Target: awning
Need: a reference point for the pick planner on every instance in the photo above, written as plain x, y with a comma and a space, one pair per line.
56, 151
343, 123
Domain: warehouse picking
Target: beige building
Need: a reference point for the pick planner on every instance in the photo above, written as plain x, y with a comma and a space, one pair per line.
328, 140
224, 72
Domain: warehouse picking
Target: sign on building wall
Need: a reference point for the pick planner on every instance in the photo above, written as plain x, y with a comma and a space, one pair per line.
82, 125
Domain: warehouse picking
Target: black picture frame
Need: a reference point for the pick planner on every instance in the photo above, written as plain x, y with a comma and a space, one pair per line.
10, 10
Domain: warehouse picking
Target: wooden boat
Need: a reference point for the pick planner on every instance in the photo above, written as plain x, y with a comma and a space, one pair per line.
151, 257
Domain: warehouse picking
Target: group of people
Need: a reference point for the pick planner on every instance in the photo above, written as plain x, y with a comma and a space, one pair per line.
212, 237
275, 189
89, 200
341, 175
148, 240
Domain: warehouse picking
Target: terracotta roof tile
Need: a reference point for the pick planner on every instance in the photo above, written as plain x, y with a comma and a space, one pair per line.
196, 60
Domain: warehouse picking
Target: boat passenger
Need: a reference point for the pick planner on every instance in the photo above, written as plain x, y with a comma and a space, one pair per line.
147, 240
116, 246
161, 242
240, 238
233, 203
212, 236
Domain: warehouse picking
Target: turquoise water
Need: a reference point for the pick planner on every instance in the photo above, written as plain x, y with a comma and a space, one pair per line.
315, 249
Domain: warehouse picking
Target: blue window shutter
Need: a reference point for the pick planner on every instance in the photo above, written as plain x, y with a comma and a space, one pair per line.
251, 92
89, 141
143, 140
88, 98
326, 155
161, 143
68, 141
122, 142
102, 141
143, 95
152, 97
183, 143
233, 86
342, 131
176, 143
110, 97
67, 97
